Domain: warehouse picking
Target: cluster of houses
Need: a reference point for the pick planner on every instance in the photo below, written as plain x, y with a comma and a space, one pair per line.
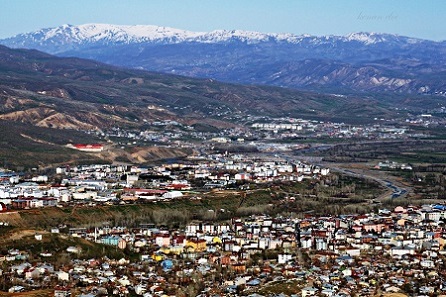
390, 251
399, 250
392, 165
242, 168
277, 126
291, 127
109, 183
258, 131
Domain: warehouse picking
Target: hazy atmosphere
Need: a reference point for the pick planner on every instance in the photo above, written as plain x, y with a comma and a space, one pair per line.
422, 19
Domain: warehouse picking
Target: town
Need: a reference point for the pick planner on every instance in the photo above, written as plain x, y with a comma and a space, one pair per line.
267, 129
390, 250
398, 250
224, 247
102, 183
164, 148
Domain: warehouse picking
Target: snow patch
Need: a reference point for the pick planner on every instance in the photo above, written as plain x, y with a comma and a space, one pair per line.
106, 33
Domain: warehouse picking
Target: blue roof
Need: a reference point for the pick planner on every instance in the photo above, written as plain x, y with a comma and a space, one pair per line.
254, 282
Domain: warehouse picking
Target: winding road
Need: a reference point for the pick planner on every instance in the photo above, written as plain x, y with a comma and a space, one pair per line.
395, 188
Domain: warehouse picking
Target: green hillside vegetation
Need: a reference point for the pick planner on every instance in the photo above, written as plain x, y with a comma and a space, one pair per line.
334, 194
57, 245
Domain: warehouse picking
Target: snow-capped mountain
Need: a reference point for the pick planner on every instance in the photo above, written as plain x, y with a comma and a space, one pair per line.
67, 35
358, 61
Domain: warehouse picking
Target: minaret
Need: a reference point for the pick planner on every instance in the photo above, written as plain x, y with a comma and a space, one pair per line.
297, 230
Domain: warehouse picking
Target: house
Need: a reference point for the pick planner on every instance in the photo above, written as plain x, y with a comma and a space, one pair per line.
284, 258
309, 291
162, 239
32, 273
172, 195
60, 291
195, 244
238, 267
392, 289
400, 251
62, 276
242, 176
16, 289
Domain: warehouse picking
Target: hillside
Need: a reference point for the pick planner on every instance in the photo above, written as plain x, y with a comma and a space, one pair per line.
47, 101
25, 146
358, 62
47, 91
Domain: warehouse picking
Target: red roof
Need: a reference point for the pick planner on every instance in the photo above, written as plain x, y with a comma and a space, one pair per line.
178, 186
145, 191
88, 146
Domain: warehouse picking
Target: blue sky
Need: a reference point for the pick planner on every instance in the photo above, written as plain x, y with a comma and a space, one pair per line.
423, 19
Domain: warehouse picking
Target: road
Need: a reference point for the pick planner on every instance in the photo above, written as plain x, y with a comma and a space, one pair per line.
395, 189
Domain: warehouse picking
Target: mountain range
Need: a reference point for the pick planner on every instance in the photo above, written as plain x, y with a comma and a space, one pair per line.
366, 63
46, 101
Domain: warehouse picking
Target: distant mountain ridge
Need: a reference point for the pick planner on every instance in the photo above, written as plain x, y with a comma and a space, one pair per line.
82, 34
358, 62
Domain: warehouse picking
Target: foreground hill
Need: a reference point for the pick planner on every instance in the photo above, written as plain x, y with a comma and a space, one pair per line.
358, 62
